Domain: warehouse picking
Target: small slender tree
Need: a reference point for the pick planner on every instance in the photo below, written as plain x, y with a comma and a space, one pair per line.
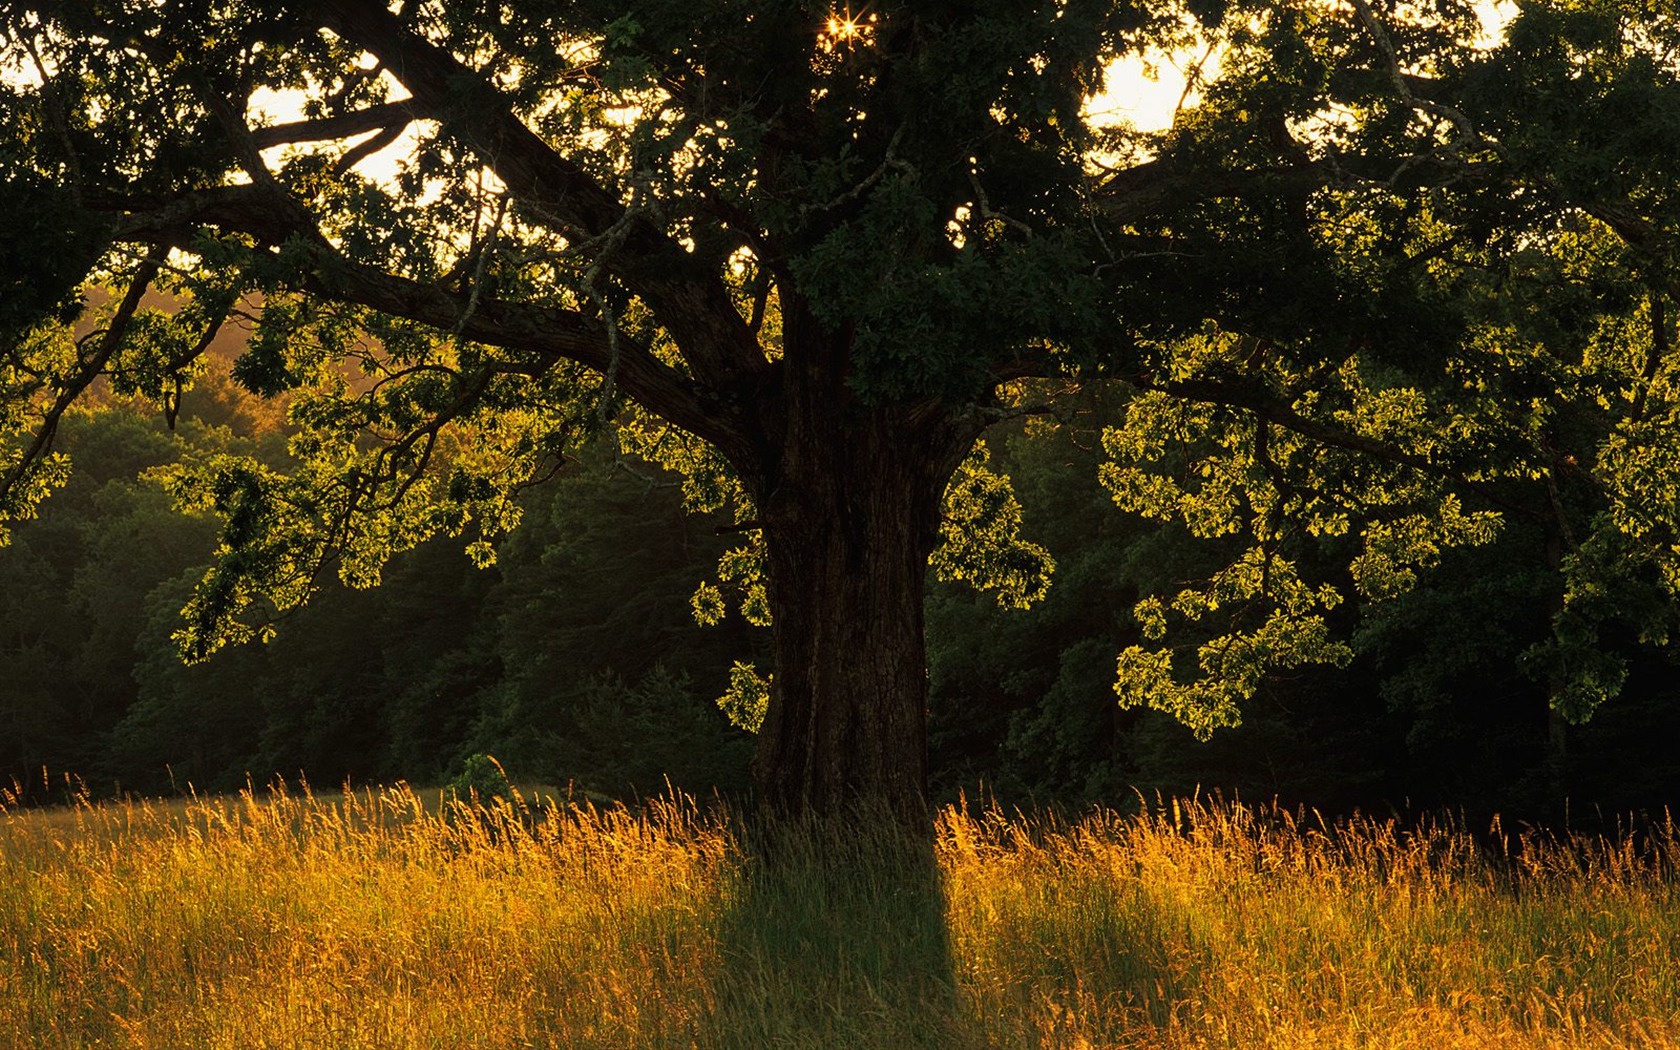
1381, 283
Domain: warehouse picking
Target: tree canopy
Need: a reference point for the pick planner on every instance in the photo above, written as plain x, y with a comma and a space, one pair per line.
1382, 288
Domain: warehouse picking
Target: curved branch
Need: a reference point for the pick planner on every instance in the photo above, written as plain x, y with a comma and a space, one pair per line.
1468, 134
550, 333
345, 126
1146, 189
691, 303
86, 372
1280, 413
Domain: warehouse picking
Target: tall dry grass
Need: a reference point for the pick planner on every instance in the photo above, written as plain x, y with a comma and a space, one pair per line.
374, 919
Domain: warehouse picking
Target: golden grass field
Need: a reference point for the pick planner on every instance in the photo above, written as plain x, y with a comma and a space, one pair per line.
379, 918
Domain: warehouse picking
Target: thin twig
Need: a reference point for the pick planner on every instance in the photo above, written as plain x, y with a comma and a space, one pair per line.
87, 371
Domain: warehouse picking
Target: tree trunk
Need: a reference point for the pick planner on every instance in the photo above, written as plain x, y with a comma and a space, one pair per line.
848, 527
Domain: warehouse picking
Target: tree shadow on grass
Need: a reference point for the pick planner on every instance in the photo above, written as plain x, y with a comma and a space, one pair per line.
853, 934
1059, 939
1078, 962
835, 936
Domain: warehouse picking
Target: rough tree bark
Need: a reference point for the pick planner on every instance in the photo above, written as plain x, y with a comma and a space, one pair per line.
850, 510
847, 556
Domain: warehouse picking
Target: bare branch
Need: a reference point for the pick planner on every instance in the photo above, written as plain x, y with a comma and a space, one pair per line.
1468, 134
891, 162
363, 150
1139, 192
374, 118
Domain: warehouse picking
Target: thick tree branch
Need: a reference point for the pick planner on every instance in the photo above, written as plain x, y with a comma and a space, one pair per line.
550, 333
368, 147
1146, 189
348, 125
692, 304
257, 210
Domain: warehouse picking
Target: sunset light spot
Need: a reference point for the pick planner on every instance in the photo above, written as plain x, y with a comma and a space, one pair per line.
847, 28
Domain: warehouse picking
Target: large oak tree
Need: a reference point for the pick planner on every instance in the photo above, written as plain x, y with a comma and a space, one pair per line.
1382, 283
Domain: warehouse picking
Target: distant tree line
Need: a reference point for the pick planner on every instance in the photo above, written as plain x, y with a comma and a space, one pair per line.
576, 658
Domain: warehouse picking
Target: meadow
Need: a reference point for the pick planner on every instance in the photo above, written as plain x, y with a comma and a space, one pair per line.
388, 918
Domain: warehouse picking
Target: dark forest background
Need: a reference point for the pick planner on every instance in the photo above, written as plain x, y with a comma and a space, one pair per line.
575, 659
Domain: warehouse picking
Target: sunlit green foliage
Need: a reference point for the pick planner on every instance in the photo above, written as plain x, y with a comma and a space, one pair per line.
1266, 491
981, 537
1380, 291
747, 698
